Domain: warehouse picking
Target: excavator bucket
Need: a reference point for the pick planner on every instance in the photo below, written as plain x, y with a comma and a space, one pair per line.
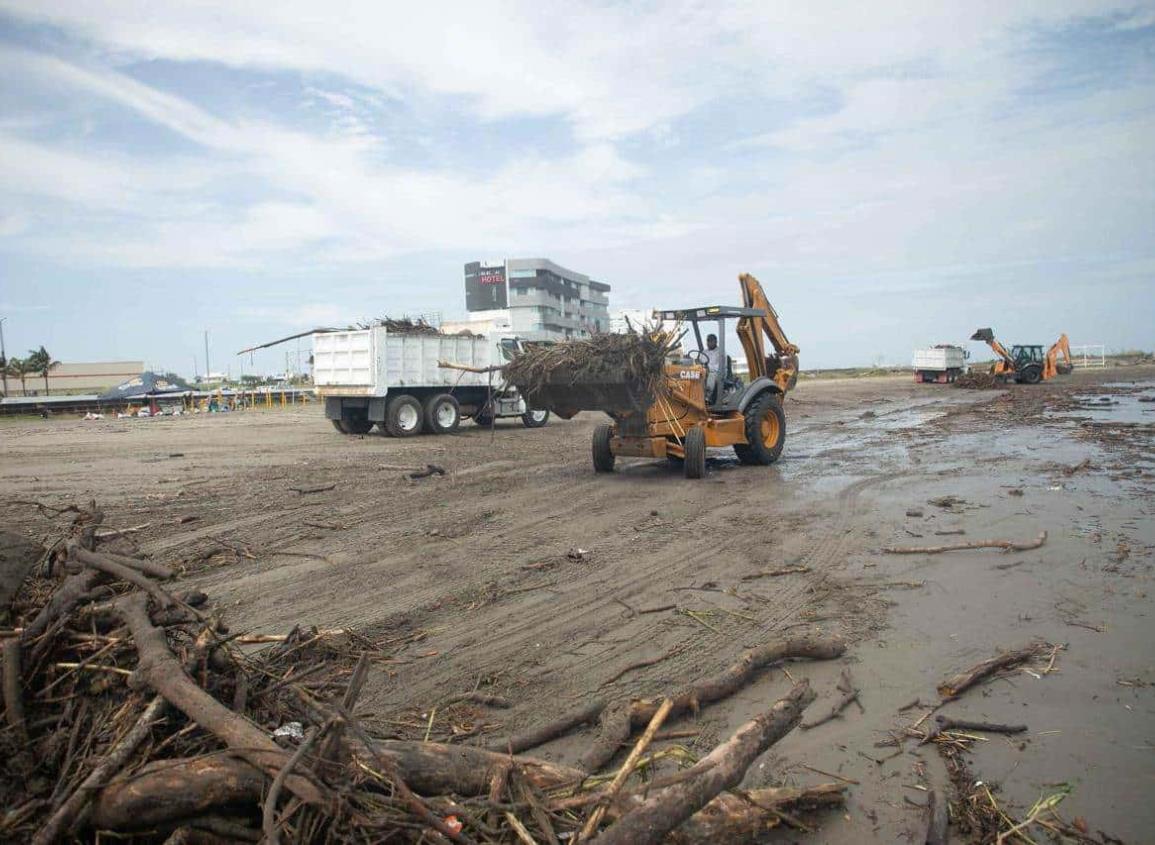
983, 334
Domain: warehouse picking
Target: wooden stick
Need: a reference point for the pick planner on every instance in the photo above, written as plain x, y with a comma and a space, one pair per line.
148, 567
775, 573
125, 573
13, 703
937, 820
849, 695
539, 736
446, 365
595, 818
1005, 545
955, 685
67, 813
269, 810
324, 488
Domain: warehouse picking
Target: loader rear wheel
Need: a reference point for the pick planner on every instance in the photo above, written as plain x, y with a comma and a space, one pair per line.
602, 453
695, 448
403, 416
765, 431
442, 414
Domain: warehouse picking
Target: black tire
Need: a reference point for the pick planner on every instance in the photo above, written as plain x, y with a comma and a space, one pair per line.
442, 414
603, 455
340, 426
356, 423
534, 418
482, 419
404, 416
765, 431
695, 448
1031, 374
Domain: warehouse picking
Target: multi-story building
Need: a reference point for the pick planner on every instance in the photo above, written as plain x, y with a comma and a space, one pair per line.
534, 299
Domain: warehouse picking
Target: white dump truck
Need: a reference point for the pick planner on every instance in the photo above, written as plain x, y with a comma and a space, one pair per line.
940, 364
393, 379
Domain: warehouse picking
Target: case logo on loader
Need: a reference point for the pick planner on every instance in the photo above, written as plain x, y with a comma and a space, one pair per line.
691, 375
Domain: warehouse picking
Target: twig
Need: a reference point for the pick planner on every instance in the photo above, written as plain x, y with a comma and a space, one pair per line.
322, 489
849, 695
479, 698
1005, 545
851, 781
641, 664
626, 770
269, 812
774, 573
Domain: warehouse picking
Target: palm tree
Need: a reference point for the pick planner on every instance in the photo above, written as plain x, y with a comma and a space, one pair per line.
19, 368
40, 361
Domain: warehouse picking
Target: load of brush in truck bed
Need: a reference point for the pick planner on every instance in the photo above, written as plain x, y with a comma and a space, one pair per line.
606, 372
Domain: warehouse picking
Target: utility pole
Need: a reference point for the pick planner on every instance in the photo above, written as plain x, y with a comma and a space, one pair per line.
3, 357
208, 369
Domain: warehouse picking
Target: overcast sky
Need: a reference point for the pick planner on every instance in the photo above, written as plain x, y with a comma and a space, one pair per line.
897, 174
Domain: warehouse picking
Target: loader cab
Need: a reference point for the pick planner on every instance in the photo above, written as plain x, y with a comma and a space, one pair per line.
1027, 355
723, 392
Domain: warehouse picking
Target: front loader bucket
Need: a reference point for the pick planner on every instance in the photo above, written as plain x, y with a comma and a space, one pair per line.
613, 392
983, 334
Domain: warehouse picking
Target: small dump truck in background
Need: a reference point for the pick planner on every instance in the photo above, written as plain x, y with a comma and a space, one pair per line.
942, 363
375, 376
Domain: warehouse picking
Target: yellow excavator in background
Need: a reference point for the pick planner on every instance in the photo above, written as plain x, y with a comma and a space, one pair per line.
1028, 364
697, 407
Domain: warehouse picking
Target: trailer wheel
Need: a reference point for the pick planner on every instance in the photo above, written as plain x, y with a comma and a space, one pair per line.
765, 431
534, 418
403, 416
695, 447
442, 414
602, 453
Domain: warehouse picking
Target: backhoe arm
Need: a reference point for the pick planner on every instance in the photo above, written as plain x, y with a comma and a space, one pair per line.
999, 349
1061, 347
782, 367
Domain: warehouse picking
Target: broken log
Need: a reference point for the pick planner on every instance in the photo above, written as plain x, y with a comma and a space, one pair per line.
937, 820
551, 730
737, 817
955, 685
13, 696
112, 761
650, 821
148, 567
71, 592
1005, 545
167, 791
161, 670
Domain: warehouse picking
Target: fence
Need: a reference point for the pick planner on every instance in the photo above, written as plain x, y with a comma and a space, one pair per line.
1089, 356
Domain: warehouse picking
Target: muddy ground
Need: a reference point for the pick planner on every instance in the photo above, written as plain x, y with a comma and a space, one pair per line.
523, 571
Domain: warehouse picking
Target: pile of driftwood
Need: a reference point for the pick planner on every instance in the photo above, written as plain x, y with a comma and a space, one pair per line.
627, 365
975, 380
129, 709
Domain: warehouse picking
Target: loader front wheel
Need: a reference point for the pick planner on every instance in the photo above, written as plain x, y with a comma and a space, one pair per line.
603, 454
356, 423
340, 426
765, 431
695, 448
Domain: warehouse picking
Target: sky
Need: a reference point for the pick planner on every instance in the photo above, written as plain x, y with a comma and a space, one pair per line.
896, 173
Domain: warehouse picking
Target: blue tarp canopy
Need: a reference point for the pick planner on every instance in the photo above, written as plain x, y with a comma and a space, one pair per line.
139, 387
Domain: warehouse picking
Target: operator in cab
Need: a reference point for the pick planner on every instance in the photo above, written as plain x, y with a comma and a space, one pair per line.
713, 364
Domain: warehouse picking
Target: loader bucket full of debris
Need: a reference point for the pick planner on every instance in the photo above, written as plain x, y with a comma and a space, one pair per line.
615, 373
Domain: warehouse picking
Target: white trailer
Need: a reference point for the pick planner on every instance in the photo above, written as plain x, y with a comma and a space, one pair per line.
940, 364
373, 377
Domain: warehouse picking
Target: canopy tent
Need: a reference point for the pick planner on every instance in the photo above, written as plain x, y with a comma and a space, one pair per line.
145, 385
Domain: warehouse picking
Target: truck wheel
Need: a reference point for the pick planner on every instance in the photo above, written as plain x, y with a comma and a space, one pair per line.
765, 431
695, 447
356, 424
442, 414
602, 453
403, 416
534, 418
1032, 374
340, 426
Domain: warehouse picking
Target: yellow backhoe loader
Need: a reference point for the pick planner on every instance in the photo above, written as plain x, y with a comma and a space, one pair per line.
698, 406
1027, 364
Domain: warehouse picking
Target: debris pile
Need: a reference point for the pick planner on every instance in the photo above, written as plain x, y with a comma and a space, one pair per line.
129, 709
975, 380
602, 372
